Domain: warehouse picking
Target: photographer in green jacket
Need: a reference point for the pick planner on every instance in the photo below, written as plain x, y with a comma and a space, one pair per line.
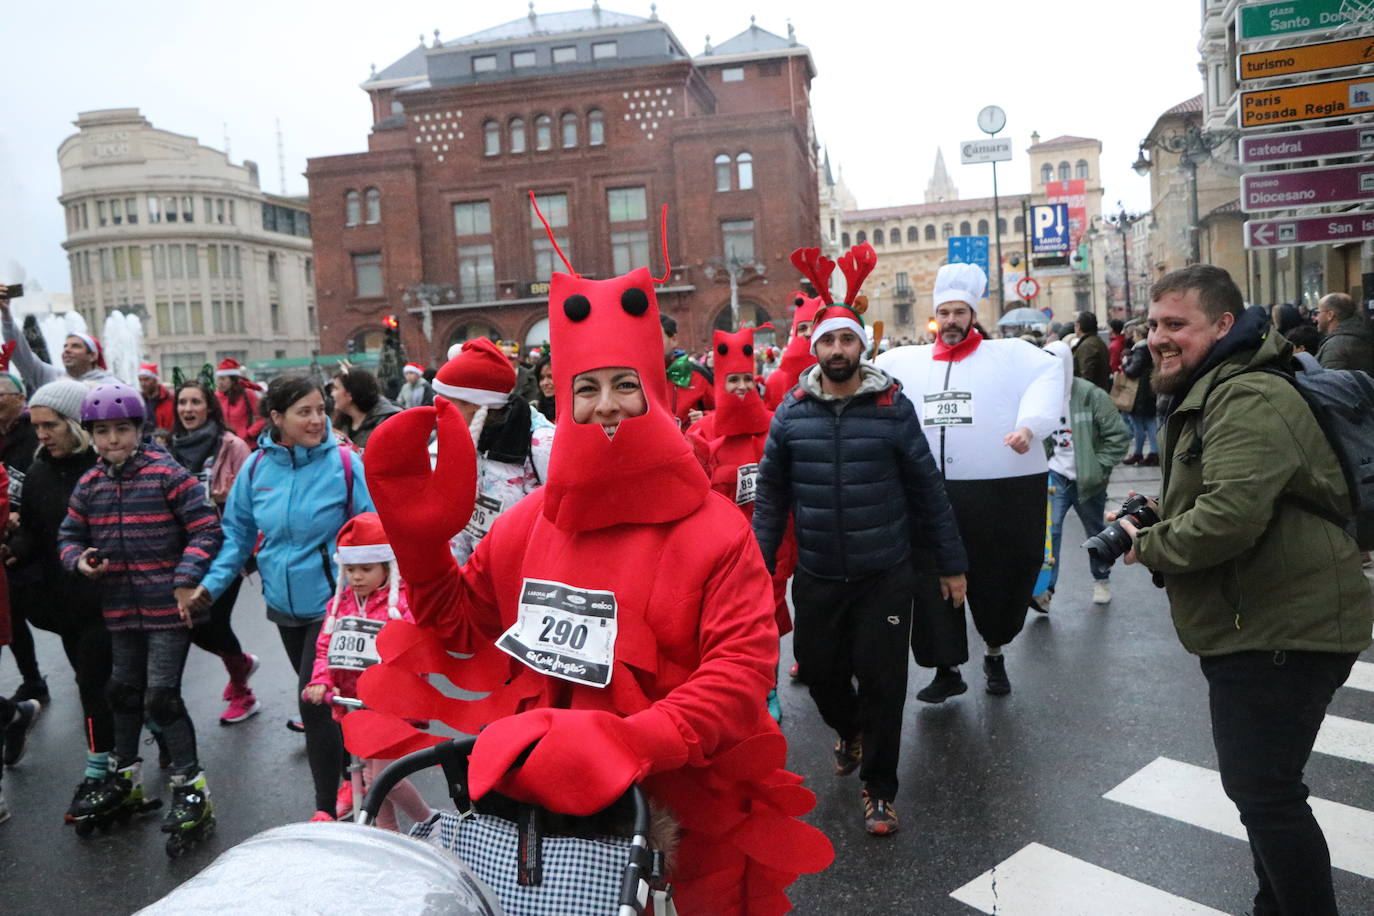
1269, 594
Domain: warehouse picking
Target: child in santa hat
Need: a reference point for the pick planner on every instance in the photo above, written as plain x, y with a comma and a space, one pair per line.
370, 593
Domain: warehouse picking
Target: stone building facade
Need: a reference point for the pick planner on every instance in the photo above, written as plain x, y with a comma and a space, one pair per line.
167, 229
606, 118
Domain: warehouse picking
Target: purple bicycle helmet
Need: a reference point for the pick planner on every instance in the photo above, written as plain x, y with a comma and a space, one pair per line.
112, 401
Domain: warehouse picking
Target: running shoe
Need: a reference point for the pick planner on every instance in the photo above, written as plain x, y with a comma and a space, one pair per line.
879, 817
848, 755
17, 732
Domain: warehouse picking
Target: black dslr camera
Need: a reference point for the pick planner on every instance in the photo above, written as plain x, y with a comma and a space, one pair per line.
1113, 541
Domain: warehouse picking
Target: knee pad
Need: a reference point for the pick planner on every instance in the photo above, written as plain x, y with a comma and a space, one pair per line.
124, 698
164, 706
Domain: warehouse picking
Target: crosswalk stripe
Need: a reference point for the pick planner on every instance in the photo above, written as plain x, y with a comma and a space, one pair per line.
1362, 676
1193, 794
1346, 738
1038, 880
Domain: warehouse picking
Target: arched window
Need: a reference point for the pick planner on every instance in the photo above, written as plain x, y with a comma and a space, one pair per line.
913, 234
878, 237
982, 227
1080, 170
1046, 173
596, 128
1002, 225
965, 228
517, 135
947, 230
374, 205
844, 240
569, 130
352, 209
744, 163
860, 237
491, 133
722, 172
543, 132
1065, 174
1018, 225
930, 233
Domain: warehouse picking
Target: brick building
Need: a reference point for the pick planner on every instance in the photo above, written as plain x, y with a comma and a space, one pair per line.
605, 117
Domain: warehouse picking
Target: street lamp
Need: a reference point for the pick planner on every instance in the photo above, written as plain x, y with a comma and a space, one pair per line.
1122, 223
1192, 146
734, 268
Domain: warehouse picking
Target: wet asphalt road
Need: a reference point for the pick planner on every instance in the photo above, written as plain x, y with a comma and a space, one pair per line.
1098, 694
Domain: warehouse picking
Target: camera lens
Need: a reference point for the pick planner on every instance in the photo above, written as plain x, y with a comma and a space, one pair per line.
1108, 544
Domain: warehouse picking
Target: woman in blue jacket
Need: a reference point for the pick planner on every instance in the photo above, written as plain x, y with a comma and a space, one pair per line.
298, 490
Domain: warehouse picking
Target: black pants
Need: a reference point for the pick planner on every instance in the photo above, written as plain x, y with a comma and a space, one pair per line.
858, 631
1002, 523
145, 682
323, 740
21, 642
88, 650
216, 635
1266, 710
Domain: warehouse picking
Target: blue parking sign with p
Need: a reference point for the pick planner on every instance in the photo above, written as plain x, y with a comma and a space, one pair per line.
1050, 229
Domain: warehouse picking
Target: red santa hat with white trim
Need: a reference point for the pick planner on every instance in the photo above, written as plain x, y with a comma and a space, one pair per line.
413, 367
93, 345
363, 540
147, 370
232, 368
478, 373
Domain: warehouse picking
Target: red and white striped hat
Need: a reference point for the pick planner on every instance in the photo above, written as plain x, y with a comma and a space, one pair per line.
479, 373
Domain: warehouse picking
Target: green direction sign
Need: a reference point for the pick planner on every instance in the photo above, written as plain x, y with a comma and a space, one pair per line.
1289, 17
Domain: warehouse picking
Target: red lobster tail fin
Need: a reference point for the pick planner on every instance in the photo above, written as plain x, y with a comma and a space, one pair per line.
816, 268
857, 264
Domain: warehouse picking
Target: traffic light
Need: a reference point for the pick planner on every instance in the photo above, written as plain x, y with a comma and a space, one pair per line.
352, 346
393, 331
392, 357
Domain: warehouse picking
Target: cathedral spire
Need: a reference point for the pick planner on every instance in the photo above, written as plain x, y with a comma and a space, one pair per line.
941, 186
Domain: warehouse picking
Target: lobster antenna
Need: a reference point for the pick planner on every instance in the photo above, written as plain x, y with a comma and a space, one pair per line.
663, 237
552, 241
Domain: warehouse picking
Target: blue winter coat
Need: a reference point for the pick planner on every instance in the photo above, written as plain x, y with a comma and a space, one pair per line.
298, 499
859, 479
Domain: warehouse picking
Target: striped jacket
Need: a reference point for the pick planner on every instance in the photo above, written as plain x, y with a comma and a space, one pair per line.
153, 526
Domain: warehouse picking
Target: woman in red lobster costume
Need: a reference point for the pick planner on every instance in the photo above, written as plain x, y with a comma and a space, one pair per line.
797, 356
620, 617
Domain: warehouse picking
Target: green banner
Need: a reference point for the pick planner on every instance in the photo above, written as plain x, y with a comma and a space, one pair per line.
1289, 17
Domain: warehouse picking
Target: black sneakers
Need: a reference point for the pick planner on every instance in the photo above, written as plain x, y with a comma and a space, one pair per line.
946, 683
879, 817
995, 667
848, 755
36, 689
16, 733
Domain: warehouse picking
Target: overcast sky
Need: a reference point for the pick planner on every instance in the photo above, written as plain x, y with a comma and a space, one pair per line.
895, 81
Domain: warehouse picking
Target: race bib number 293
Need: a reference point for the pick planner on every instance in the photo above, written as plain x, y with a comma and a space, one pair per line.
564, 631
948, 408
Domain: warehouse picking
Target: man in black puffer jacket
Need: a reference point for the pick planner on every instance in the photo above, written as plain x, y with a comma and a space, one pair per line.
847, 458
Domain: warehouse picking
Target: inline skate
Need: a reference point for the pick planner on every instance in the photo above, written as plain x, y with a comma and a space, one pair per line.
113, 800
191, 817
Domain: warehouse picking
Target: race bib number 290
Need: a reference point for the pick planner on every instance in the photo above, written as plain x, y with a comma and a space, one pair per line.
564, 631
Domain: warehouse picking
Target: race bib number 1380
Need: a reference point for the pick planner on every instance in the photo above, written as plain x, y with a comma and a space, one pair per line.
564, 631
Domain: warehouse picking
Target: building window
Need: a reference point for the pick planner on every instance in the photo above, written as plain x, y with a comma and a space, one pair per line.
1080, 169
473, 218
744, 164
844, 239
117, 211
604, 50
722, 172
555, 210
188, 214
519, 60
136, 262
947, 230
1002, 225
396, 107
543, 132
879, 237
192, 262
271, 267
491, 132
569, 121
476, 273
565, 55
160, 262
367, 275
860, 237
374, 205
626, 204
275, 309
352, 209
732, 75
930, 233
121, 264
1065, 174
131, 210
211, 261
1046, 173
965, 228
738, 236
164, 318
596, 127
629, 250
517, 135
100, 212
1018, 224
197, 317
982, 227
913, 235
174, 267
484, 63
903, 283
170, 212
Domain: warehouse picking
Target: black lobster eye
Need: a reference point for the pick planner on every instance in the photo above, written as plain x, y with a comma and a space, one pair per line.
577, 307
798, 301
722, 349
634, 301
748, 350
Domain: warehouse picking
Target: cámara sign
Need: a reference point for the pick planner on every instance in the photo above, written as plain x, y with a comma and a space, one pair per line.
996, 149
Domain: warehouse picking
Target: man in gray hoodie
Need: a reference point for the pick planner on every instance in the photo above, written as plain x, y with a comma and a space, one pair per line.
82, 358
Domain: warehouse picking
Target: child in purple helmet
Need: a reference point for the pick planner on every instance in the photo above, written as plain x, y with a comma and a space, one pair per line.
139, 522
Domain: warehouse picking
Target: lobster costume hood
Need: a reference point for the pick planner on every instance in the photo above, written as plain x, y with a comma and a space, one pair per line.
736, 416
662, 586
797, 356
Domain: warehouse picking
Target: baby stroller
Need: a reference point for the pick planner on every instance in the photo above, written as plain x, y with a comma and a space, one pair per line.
515, 869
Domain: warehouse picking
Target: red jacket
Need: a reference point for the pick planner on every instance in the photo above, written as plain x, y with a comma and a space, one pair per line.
1116, 348
162, 408
242, 417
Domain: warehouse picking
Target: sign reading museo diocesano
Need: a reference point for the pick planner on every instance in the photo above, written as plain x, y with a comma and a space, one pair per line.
1307, 187
1307, 102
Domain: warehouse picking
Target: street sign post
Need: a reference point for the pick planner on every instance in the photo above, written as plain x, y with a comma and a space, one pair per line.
1310, 230
1271, 149
1322, 187
969, 249
1050, 229
993, 149
1292, 17
1320, 101
1027, 288
1313, 58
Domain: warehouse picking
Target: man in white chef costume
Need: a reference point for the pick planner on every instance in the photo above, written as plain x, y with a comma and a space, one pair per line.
985, 407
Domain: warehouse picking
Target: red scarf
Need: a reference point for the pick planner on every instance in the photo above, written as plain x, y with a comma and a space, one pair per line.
960, 350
